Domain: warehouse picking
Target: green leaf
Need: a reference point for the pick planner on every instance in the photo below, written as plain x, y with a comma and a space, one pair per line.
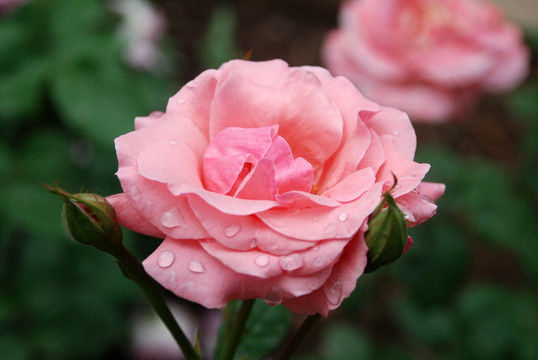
265, 330
21, 91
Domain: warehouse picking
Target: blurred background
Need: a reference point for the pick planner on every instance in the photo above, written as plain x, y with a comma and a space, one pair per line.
74, 74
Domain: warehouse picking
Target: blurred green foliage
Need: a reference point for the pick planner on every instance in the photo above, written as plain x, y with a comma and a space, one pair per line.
467, 289
65, 94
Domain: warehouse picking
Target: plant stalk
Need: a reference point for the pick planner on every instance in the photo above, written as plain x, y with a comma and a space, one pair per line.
232, 340
134, 270
306, 327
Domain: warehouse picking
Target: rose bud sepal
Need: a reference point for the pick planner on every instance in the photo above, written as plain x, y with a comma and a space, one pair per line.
387, 234
89, 219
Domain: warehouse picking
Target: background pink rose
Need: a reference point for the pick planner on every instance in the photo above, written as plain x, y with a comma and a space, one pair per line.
431, 59
260, 178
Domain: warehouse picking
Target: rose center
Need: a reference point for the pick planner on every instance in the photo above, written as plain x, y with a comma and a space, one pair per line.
254, 163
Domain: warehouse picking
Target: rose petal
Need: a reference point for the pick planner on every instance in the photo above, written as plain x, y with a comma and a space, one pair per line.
339, 285
240, 102
290, 174
324, 223
260, 183
352, 186
130, 218
234, 232
225, 157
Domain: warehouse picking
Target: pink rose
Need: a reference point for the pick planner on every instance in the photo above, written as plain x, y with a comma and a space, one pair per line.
430, 58
260, 178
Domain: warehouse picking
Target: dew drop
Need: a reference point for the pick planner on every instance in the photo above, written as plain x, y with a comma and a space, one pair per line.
172, 280
330, 231
318, 261
291, 262
261, 260
134, 192
274, 297
232, 230
165, 258
196, 267
171, 218
173, 142
343, 216
253, 243
315, 248
334, 293
396, 132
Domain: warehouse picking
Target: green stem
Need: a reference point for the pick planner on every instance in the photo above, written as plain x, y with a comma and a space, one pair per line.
232, 340
134, 270
301, 334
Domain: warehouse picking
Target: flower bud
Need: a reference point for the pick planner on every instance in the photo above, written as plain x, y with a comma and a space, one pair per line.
89, 219
387, 235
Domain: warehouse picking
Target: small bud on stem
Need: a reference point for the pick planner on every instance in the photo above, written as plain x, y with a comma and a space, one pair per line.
89, 219
387, 235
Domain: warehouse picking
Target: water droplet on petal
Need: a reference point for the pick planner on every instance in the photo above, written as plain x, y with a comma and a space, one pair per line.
171, 283
180, 101
334, 293
165, 258
318, 261
196, 267
261, 260
232, 230
315, 248
343, 216
274, 297
330, 231
134, 192
396, 132
253, 243
173, 142
171, 218
291, 262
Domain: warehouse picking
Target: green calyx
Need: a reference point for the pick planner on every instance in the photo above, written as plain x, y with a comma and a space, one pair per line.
89, 219
387, 234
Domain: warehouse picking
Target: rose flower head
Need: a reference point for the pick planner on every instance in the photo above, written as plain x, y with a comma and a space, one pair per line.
261, 179
430, 58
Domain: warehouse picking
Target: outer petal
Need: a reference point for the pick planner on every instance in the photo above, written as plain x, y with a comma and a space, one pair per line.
193, 101
324, 223
130, 218
339, 285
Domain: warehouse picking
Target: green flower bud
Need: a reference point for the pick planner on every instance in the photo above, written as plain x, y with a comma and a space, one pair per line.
89, 219
387, 234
